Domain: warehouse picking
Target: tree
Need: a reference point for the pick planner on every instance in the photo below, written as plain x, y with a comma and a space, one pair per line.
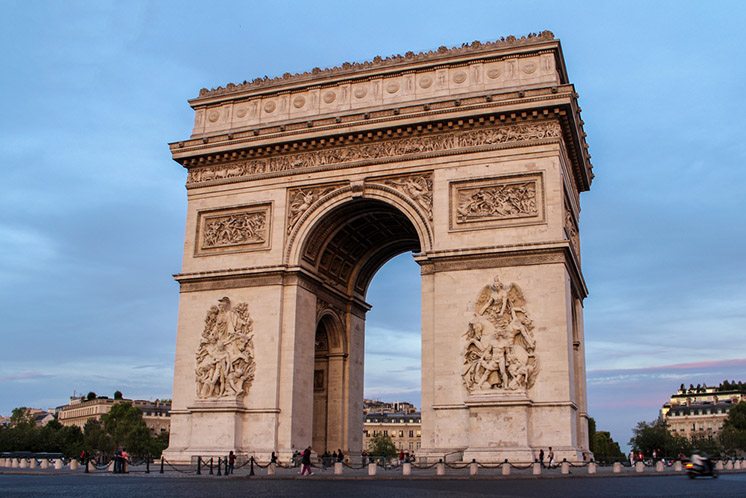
91, 396
601, 444
649, 436
125, 426
118, 395
733, 434
382, 446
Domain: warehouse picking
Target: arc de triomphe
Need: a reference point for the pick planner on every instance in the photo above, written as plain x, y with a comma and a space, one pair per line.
301, 187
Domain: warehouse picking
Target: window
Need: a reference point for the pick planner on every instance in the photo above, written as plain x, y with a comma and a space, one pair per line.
401, 433
411, 434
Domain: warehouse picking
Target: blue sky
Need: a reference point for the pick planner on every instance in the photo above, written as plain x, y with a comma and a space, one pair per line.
92, 208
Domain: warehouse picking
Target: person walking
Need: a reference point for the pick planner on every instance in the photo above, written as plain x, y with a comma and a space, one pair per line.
231, 462
273, 458
541, 457
340, 456
306, 461
551, 457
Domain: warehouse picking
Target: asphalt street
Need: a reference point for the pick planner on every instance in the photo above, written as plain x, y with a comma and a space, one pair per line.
153, 486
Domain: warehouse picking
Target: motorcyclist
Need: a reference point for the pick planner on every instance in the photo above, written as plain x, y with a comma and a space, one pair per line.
702, 461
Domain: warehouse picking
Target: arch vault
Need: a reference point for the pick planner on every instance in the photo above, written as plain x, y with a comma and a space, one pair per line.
300, 188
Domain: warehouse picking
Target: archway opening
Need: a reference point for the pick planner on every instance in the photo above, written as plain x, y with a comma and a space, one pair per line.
344, 250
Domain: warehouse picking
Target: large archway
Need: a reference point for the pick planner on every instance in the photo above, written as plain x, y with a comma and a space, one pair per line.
342, 250
301, 187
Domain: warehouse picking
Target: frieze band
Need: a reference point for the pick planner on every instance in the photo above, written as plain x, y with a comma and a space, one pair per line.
385, 149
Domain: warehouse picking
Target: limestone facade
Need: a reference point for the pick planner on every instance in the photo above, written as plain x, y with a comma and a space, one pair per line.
700, 411
299, 188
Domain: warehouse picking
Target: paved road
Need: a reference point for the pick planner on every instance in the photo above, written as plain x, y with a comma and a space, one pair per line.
19, 486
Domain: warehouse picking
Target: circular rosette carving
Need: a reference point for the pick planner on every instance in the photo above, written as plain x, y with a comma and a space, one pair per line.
499, 353
225, 357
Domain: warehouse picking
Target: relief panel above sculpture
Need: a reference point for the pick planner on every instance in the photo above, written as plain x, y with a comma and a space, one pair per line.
495, 202
225, 362
499, 350
244, 228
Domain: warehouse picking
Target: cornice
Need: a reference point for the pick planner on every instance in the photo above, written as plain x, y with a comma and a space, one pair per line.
377, 64
394, 115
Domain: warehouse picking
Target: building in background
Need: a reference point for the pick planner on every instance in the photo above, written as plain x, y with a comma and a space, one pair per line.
701, 410
155, 414
404, 429
376, 406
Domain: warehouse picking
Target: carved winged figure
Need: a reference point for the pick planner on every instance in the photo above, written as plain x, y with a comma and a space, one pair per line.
225, 363
503, 360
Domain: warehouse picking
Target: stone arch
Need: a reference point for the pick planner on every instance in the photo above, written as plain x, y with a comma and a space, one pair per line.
324, 242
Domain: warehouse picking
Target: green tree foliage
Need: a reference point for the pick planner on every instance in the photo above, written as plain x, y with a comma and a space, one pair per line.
122, 427
91, 396
127, 429
649, 436
382, 446
733, 434
118, 395
603, 447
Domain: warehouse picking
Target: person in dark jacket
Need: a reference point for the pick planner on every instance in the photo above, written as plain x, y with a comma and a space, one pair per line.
306, 461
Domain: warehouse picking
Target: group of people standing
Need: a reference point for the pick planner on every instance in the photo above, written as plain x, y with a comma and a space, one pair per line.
121, 459
550, 458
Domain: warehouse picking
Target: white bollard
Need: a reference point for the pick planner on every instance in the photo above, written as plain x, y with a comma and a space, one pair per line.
271, 469
729, 465
473, 468
338, 468
32, 463
58, 464
565, 468
3, 462
44, 463
23, 464
14, 463
73, 464
719, 465
536, 469
506, 469
440, 469
592, 468
110, 467
677, 466
737, 465
659, 467
639, 467
617, 468
406, 469
372, 467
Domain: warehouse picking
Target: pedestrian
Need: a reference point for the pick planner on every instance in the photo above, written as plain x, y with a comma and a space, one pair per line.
231, 462
631, 457
541, 457
306, 461
118, 461
551, 457
340, 456
125, 461
401, 457
273, 458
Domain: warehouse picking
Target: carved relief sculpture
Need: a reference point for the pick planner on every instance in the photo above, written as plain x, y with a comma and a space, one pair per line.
300, 199
370, 151
499, 351
419, 188
235, 229
225, 357
510, 200
571, 230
